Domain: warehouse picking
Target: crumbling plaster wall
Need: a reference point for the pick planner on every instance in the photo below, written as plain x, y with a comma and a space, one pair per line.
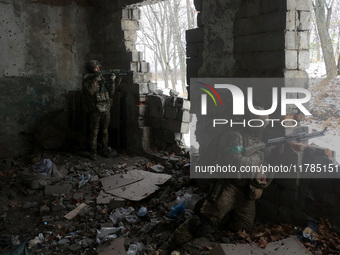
42, 52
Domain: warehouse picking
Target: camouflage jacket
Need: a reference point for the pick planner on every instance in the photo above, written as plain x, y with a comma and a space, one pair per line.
235, 144
97, 92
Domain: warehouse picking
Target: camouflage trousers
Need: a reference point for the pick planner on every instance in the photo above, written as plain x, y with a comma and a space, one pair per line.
99, 122
231, 202
236, 203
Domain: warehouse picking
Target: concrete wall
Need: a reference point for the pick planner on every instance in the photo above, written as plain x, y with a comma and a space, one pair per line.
259, 38
210, 46
42, 52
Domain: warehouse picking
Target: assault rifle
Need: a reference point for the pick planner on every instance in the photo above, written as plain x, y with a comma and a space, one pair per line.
107, 73
300, 137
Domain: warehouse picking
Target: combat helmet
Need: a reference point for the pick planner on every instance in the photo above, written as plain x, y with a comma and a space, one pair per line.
91, 65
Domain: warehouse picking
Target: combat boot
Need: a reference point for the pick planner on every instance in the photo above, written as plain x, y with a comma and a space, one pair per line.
205, 228
168, 247
187, 231
106, 154
93, 156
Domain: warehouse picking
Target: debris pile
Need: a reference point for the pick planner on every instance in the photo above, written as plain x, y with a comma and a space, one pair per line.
65, 204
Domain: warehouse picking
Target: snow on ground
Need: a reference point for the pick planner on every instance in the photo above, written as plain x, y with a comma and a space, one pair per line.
317, 70
166, 91
330, 141
325, 108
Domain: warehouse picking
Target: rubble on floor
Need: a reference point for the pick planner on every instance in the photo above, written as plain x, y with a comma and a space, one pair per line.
286, 246
123, 205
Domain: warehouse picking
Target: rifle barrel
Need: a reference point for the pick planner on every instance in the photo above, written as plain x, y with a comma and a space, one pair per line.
298, 137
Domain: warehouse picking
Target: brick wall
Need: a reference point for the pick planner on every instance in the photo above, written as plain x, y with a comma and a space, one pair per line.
169, 119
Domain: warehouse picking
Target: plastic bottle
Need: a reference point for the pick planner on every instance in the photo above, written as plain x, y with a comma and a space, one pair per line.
84, 179
133, 249
142, 211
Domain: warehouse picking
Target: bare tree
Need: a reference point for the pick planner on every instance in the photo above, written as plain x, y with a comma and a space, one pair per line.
163, 33
155, 37
323, 23
315, 42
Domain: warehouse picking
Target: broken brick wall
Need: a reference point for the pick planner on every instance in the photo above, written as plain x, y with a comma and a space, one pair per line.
169, 120
272, 40
42, 51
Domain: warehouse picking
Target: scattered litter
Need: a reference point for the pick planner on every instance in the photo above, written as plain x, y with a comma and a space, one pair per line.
177, 210
132, 219
107, 233
135, 248
37, 240
189, 199
43, 167
15, 240
142, 211
150, 225
63, 241
307, 233
120, 213
46, 175
157, 168
72, 234
84, 179
116, 247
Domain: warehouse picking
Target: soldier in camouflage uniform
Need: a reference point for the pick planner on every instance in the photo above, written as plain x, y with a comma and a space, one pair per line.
97, 91
234, 198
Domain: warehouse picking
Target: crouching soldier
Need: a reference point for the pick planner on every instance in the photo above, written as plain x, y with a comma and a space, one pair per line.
233, 198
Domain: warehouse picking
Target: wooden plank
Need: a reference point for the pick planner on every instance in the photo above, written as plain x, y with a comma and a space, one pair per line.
75, 212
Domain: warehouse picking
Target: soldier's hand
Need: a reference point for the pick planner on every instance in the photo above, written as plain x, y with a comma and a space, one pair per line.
98, 78
256, 148
113, 77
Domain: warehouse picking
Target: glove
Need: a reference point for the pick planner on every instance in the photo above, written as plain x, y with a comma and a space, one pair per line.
113, 77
